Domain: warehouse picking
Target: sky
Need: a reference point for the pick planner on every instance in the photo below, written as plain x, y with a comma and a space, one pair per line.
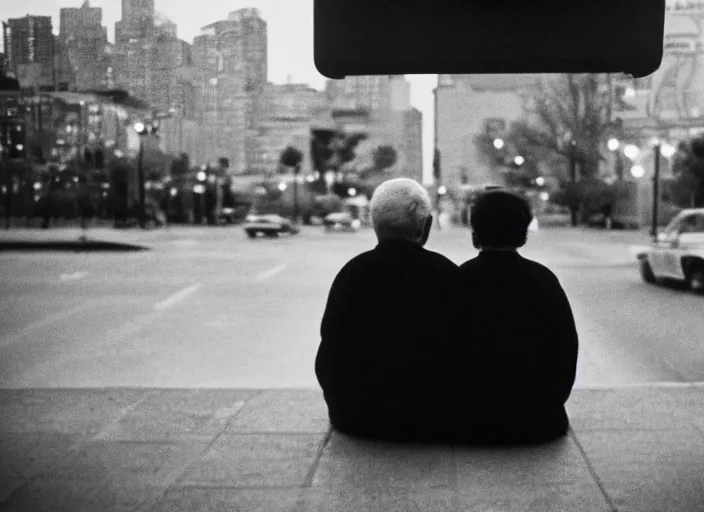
290, 31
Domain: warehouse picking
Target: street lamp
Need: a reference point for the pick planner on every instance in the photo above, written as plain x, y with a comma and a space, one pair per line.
141, 129
519, 160
282, 186
352, 191
668, 150
613, 144
499, 143
637, 171
540, 181
631, 151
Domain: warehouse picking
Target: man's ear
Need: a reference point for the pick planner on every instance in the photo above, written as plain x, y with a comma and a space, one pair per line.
426, 230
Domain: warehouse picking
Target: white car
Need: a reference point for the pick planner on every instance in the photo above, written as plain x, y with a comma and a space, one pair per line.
341, 221
269, 224
677, 252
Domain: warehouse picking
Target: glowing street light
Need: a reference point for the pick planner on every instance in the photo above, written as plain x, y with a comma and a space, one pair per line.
637, 171
631, 151
201, 176
540, 181
544, 196
310, 178
282, 186
442, 190
519, 160
498, 143
173, 192
140, 127
668, 150
352, 191
613, 144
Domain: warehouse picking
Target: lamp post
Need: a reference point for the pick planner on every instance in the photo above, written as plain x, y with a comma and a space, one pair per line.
613, 146
141, 130
656, 188
296, 172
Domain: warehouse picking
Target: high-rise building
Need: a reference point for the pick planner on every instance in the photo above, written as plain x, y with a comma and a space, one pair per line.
137, 21
83, 39
30, 49
134, 48
230, 63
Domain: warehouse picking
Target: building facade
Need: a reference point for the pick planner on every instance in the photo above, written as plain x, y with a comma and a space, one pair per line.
230, 68
30, 51
284, 115
466, 106
83, 40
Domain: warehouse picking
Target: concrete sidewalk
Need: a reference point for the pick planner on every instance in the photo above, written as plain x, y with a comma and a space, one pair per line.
637, 449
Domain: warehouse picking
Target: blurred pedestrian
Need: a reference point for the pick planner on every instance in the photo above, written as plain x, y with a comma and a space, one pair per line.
388, 324
516, 368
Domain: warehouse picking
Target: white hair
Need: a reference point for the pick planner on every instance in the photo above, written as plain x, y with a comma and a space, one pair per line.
399, 208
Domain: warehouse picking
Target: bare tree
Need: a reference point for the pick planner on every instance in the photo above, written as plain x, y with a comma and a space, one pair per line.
567, 117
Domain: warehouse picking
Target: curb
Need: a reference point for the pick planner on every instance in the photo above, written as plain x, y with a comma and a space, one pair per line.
72, 246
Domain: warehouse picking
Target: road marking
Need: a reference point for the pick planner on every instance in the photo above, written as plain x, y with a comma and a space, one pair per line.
74, 276
272, 272
177, 297
57, 317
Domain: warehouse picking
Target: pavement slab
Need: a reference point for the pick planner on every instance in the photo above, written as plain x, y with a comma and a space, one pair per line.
350, 462
68, 411
189, 499
641, 408
256, 460
178, 416
281, 411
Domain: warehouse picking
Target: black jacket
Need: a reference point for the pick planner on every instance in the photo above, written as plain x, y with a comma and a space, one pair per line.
385, 344
518, 360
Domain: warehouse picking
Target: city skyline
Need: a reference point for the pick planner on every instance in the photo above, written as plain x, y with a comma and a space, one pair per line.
290, 32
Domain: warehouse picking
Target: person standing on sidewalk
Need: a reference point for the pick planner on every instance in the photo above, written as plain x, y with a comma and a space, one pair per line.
388, 327
517, 365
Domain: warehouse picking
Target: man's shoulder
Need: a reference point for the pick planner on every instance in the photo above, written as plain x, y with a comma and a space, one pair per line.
441, 261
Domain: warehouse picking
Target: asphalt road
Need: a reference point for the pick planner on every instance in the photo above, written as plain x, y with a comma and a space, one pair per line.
211, 308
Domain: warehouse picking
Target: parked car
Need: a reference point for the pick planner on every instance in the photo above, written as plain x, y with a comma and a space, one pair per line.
233, 215
270, 225
677, 253
341, 221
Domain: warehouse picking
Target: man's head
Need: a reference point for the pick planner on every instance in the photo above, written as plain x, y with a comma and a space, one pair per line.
500, 220
400, 210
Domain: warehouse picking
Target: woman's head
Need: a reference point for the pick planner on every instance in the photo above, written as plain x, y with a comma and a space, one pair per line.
499, 220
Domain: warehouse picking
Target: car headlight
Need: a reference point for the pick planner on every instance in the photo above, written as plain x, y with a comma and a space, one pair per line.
250, 218
356, 223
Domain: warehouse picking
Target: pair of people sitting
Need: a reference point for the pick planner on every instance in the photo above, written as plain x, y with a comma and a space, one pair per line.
416, 348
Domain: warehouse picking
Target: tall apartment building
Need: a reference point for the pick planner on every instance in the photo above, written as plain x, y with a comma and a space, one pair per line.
30, 50
83, 40
137, 21
134, 48
230, 64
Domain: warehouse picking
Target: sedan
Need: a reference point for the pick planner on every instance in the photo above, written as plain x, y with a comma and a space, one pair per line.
270, 225
677, 254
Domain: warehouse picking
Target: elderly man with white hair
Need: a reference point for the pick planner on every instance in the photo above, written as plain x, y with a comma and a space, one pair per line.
388, 327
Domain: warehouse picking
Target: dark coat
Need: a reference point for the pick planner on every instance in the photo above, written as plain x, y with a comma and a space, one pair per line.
518, 363
386, 336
